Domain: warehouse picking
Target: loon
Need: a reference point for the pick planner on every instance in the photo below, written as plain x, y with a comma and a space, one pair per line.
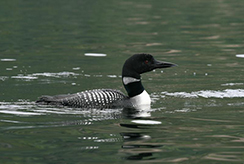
111, 98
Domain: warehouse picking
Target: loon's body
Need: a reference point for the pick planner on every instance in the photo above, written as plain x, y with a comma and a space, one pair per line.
110, 98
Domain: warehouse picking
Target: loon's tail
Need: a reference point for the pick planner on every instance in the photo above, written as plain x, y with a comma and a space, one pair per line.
47, 100
52, 100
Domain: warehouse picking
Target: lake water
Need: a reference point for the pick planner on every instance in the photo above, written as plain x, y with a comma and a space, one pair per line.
197, 110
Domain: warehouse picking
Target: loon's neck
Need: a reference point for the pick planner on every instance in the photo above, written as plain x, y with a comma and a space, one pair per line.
133, 86
139, 98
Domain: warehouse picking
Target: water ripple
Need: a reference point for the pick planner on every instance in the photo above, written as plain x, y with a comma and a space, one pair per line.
227, 93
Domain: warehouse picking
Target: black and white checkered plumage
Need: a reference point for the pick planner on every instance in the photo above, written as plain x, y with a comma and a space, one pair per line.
97, 98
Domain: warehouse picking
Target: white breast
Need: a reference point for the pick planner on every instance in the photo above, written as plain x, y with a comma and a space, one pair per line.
141, 101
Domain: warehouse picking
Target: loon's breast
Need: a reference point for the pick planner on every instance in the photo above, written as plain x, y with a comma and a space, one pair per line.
140, 101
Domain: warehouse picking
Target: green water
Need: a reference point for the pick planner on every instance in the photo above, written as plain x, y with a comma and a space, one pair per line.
197, 107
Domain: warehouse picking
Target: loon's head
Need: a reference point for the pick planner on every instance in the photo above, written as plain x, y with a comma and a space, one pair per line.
136, 65
141, 63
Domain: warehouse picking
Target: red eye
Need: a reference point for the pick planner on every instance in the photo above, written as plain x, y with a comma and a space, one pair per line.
146, 61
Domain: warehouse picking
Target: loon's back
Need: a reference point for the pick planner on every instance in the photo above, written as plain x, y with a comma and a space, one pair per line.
97, 98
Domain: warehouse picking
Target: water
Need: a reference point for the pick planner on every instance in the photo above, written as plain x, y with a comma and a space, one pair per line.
197, 110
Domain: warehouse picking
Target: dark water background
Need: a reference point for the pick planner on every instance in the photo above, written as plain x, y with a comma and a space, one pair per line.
197, 110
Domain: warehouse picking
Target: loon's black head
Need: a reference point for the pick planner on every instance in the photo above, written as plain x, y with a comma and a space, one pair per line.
141, 63
136, 65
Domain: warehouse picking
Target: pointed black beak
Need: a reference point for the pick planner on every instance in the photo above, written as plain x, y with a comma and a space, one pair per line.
159, 64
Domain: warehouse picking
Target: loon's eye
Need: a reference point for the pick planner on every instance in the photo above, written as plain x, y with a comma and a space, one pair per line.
146, 61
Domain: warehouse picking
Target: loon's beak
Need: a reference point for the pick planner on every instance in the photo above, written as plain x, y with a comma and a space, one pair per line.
159, 64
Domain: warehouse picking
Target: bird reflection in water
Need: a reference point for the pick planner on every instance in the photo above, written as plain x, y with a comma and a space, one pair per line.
137, 145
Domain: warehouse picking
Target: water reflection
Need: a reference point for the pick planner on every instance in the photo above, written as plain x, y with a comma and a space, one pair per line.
137, 145
136, 113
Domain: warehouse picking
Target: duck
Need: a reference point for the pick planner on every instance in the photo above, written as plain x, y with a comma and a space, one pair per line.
136, 96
